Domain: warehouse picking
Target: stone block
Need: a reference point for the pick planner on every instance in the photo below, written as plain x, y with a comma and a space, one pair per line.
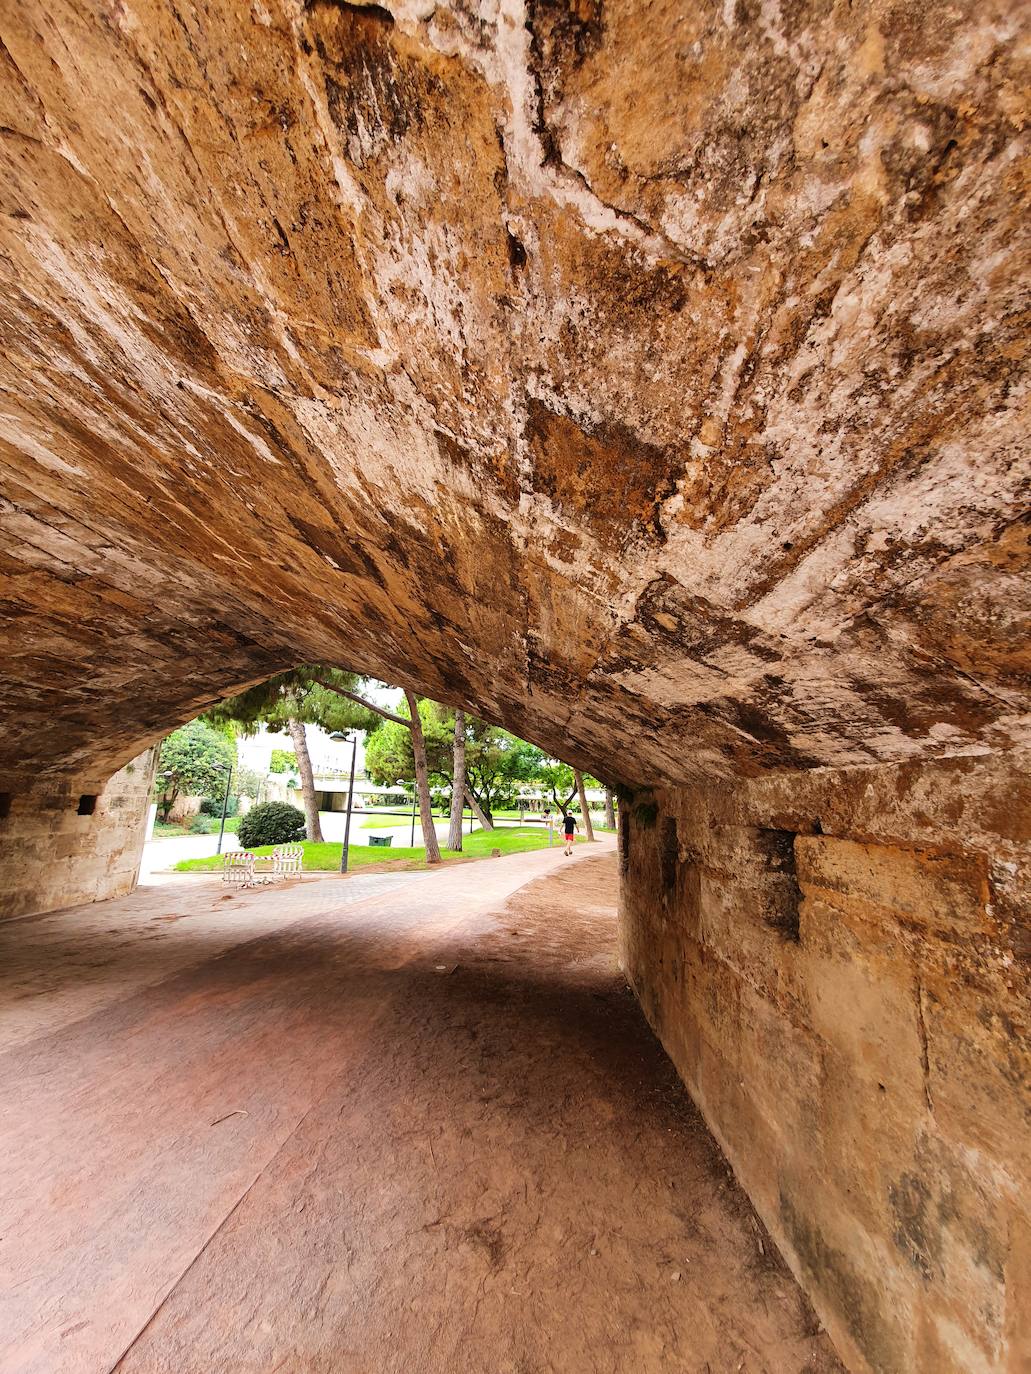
715, 993
869, 1083
865, 1129
56, 857
738, 925
756, 1152
862, 997
979, 1073
860, 1295
65, 846
951, 1226
782, 1066
1018, 1295
938, 893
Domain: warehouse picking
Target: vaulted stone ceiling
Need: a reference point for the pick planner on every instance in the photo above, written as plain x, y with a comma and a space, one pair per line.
647, 376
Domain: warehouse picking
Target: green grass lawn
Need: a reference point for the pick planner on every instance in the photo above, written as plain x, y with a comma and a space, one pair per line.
325, 858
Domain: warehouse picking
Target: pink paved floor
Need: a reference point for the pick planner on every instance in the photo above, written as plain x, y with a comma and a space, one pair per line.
395, 1122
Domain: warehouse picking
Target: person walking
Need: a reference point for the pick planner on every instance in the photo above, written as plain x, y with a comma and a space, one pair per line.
569, 826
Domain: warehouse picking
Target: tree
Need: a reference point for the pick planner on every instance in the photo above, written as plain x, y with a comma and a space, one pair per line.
248, 783
610, 810
422, 785
413, 721
486, 822
196, 759
496, 763
329, 697
304, 771
308, 695
584, 809
557, 779
412, 755
454, 834
389, 758
562, 783
282, 761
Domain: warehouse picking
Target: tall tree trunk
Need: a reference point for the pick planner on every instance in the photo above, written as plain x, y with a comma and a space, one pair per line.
454, 834
588, 827
422, 781
311, 803
610, 810
485, 821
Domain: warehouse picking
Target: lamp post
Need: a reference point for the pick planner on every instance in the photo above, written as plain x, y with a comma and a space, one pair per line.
353, 741
225, 804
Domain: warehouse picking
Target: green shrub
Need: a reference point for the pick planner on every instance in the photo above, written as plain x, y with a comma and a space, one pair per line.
204, 825
212, 806
271, 823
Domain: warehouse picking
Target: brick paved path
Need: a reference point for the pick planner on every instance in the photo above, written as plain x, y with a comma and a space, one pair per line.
398, 1122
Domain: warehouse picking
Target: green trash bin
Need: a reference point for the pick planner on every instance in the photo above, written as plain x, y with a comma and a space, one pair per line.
380, 841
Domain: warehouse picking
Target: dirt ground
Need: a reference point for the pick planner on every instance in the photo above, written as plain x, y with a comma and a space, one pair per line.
419, 1127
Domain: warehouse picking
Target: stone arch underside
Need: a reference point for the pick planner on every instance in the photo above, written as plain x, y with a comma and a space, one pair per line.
649, 379
651, 384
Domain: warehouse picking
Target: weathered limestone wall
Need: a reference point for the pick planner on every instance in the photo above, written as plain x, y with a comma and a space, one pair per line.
836, 963
54, 855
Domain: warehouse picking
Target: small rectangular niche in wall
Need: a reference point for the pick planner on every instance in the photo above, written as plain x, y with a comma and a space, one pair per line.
782, 895
5, 805
87, 804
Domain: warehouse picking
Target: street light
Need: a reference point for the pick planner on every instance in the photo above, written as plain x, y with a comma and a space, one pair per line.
225, 803
342, 738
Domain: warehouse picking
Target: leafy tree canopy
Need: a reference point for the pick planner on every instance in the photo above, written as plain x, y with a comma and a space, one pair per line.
388, 754
496, 762
303, 693
555, 779
189, 757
